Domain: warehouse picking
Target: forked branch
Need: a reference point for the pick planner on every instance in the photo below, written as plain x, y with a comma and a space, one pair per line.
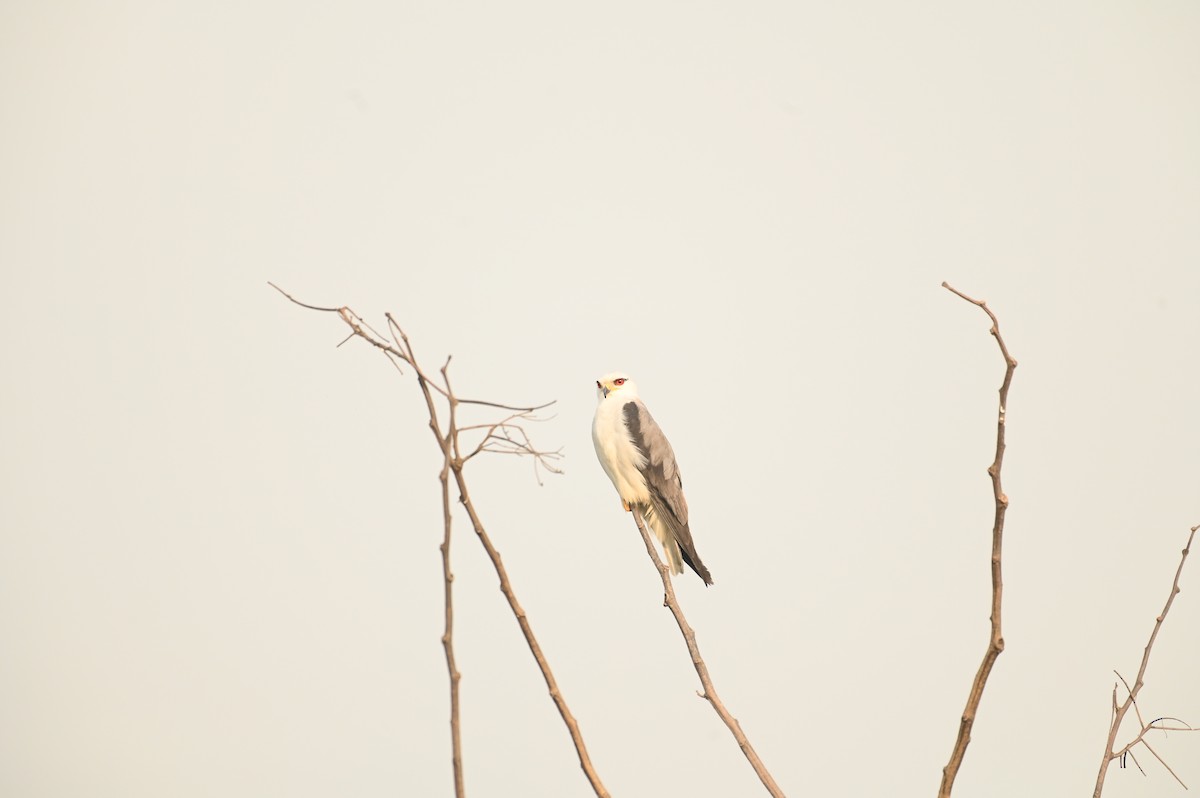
996, 639
710, 692
1131, 695
506, 436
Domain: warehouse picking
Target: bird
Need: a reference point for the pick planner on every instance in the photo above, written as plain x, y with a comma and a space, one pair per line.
637, 457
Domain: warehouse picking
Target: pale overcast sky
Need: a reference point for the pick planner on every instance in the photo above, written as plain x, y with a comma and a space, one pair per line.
219, 572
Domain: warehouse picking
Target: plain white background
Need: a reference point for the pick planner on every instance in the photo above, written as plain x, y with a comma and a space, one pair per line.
219, 571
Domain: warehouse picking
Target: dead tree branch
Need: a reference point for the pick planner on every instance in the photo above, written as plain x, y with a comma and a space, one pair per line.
448, 635
1119, 712
996, 639
506, 436
710, 692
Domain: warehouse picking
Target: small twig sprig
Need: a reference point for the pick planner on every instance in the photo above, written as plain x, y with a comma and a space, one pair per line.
1119, 711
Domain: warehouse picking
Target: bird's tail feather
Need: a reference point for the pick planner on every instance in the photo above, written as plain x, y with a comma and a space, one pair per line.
696, 566
670, 543
670, 548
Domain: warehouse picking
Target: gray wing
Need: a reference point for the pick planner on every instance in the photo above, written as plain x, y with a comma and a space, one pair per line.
663, 481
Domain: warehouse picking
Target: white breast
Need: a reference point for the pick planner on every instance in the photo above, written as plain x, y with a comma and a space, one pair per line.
618, 456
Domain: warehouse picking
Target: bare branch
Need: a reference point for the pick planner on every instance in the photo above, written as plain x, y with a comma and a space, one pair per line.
996, 639
448, 635
585, 761
710, 692
1138, 683
514, 440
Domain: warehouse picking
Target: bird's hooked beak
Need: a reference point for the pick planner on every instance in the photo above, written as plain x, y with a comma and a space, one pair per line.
604, 390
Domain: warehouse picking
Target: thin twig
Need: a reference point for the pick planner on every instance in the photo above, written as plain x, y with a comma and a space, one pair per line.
1163, 762
505, 437
302, 304
504, 407
710, 692
996, 639
1132, 694
1136, 708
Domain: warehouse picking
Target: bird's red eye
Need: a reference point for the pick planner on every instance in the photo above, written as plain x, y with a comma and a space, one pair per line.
619, 382
598, 383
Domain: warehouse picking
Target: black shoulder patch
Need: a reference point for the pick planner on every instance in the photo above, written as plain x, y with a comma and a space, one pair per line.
633, 422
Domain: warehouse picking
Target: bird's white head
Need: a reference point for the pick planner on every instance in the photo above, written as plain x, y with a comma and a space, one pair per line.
616, 383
